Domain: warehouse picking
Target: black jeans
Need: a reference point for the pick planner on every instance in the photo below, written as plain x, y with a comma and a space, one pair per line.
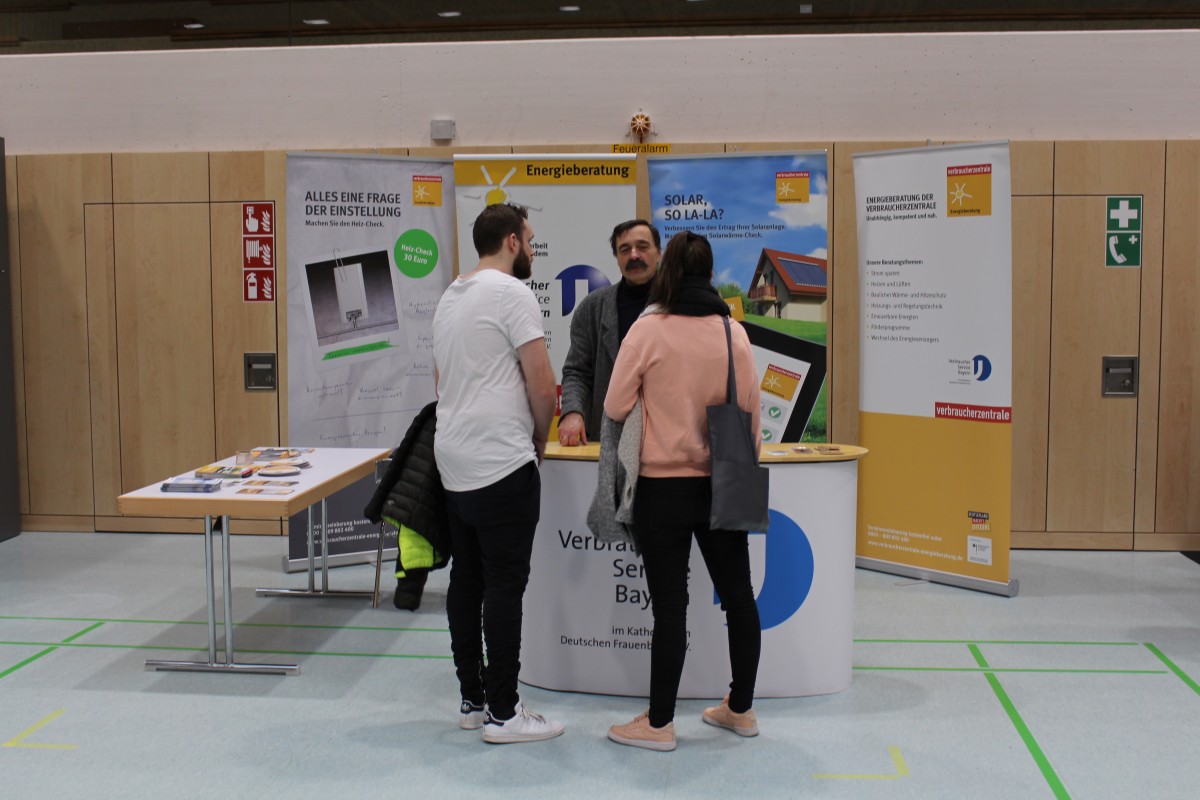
666, 513
491, 540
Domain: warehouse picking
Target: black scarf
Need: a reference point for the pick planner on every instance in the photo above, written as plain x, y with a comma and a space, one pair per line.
699, 298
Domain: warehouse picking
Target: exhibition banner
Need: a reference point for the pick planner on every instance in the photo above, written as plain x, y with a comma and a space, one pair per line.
766, 216
370, 251
935, 268
574, 202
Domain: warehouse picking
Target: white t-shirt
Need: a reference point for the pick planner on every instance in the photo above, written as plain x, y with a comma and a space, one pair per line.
484, 422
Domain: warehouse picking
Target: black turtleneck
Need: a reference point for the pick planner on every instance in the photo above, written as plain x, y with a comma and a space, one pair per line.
631, 300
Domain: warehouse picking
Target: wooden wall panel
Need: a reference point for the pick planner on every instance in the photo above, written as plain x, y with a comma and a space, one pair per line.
843, 265
1108, 467
1070, 540
244, 419
102, 357
160, 177
1115, 465
1108, 167
1120, 168
1178, 500
164, 340
1149, 359
52, 191
368, 151
1032, 165
52, 522
1032, 249
246, 177
14, 273
1167, 541
1093, 439
778, 147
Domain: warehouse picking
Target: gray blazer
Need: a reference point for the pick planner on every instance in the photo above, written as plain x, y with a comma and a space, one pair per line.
589, 364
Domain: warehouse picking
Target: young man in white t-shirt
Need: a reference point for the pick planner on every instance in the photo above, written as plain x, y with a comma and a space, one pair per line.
496, 397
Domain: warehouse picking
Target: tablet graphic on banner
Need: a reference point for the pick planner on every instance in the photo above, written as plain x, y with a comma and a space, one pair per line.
791, 376
574, 201
766, 217
935, 261
369, 240
352, 313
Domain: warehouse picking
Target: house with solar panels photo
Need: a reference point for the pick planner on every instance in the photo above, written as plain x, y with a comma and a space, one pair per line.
790, 286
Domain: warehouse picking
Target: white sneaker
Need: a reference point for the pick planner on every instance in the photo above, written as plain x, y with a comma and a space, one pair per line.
470, 717
525, 726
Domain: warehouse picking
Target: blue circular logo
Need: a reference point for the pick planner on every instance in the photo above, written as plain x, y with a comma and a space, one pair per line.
789, 573
982, 368
579, 272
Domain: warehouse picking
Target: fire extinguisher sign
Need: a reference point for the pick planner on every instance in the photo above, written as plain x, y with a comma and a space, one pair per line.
258, 252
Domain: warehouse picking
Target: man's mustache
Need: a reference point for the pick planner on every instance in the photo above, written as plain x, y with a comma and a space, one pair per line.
636, 262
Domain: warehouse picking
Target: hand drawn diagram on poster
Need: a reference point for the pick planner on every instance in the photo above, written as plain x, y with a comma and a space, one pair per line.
766, 216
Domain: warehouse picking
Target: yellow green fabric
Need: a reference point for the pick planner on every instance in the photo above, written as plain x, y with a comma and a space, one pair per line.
415, 550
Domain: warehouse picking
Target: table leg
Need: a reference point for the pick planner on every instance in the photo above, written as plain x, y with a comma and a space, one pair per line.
311, 591
379, 564
324, 547
210, 590
212, 665
227, 588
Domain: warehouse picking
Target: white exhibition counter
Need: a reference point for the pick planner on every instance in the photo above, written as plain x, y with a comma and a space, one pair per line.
587, 620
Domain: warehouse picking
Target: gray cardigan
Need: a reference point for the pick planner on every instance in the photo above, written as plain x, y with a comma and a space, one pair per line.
589, 365
610, 516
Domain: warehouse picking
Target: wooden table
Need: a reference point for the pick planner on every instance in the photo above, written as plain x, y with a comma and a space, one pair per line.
332, 469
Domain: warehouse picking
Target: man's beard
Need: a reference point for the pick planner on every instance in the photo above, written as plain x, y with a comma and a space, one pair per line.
522, 267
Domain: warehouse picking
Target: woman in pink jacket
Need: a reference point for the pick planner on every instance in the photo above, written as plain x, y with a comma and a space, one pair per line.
676, 358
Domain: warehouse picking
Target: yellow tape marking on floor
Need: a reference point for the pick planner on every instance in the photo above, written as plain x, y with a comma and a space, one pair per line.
897, 760
19, 740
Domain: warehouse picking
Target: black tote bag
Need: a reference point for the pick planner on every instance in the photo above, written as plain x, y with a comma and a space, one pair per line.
740, 487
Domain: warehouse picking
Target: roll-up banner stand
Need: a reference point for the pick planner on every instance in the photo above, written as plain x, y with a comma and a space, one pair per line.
574, 202
370, 251
766, 216
935, 270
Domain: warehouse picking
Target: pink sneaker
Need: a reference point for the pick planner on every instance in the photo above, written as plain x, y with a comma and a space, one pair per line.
640, 733
741, 724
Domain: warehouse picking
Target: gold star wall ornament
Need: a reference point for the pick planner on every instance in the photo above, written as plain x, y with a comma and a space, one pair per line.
640, 126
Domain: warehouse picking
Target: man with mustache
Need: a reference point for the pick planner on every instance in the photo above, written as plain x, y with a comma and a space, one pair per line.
496, 394
599, 325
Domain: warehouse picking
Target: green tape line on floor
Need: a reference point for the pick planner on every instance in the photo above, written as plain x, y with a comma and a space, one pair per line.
1023, 731
1183, 676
